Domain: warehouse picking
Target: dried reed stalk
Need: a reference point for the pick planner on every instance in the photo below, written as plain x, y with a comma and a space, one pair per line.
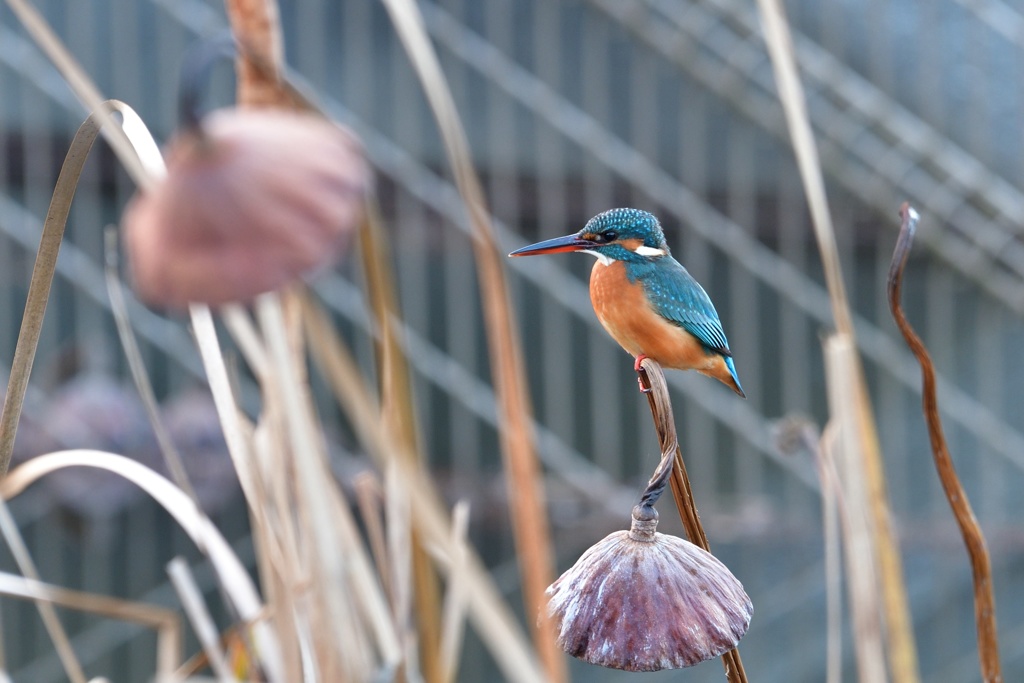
255, 24
231, 574
861, 560
42, 278
242, 446
142, 157
39, 285
529, 516
250, 450
344, 591
275, 542
398, 411
202, 622
899, 625
234, 579
83, 88
493, 620
832, 514
369, 497
652, 382
35, 308
970, 530
56, 631
162, 620
455, 607
137, 366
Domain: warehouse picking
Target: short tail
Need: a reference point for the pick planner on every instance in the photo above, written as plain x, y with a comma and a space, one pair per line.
735, 384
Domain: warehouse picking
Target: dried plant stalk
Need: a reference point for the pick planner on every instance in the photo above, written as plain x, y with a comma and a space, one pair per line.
83, 88
491, 617
903, 650
233, 577
164, 621
831, 517
652, 381
369, 497
19, 550
42, 279
529, 515
861, 561
332, 540
256, 24
140, 156
974, 539
198, 613
398, 411
453, 626
239, 431
119, 309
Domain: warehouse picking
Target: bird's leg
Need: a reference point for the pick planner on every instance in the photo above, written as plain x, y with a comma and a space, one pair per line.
645, 387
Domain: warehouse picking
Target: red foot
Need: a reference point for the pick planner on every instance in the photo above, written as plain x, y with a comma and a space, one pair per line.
641, 374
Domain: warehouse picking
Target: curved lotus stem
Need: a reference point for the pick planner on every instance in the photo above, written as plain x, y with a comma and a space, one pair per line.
974, 540
653, 385
148, 155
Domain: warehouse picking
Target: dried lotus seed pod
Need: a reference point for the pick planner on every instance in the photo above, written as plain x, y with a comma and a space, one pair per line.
644, 601
252, 200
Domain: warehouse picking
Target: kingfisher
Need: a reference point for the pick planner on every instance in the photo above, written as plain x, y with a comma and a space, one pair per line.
646, 300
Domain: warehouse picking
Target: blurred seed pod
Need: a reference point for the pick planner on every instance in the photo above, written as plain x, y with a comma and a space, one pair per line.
253, 199
192, 423
96, 410
643, 601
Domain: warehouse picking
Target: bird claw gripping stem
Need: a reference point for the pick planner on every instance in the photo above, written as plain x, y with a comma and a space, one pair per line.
641, 375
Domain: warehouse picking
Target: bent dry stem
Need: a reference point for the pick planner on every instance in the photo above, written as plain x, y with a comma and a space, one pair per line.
672, 468
42, 275
974, 540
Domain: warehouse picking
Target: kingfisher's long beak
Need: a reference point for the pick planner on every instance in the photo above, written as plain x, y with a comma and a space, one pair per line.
555, 246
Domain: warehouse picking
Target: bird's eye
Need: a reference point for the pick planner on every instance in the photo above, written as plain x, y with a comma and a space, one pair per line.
609, 236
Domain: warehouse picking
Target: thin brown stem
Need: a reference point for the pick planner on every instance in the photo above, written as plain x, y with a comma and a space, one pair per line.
399, 414
42, 279
652, 382
84, 89
256, 24
530, 525
974, 540
119, 308
898, 622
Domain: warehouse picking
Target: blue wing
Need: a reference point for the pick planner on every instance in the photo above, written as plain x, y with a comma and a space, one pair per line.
681, 300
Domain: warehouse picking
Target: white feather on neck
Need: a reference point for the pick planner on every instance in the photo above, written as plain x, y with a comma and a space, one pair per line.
644, 250
601, 258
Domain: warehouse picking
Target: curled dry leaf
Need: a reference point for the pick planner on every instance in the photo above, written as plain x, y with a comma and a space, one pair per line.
643, 601
251, 201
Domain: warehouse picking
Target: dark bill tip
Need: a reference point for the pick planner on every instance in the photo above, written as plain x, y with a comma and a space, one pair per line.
555, 246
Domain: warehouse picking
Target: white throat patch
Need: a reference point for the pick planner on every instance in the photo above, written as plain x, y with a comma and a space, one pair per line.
601, 258
644, 250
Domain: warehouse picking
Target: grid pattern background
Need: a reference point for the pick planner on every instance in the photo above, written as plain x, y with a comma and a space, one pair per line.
573, 107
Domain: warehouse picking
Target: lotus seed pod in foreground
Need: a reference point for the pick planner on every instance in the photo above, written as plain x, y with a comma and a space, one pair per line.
643, 601
252, 201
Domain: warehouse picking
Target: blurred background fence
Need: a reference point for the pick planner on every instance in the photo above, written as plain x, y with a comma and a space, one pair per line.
574, 107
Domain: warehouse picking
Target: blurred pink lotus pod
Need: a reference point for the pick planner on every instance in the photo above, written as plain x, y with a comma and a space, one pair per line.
643, 601
252, 201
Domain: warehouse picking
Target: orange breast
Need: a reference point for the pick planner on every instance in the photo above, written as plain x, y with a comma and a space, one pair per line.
625, 312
